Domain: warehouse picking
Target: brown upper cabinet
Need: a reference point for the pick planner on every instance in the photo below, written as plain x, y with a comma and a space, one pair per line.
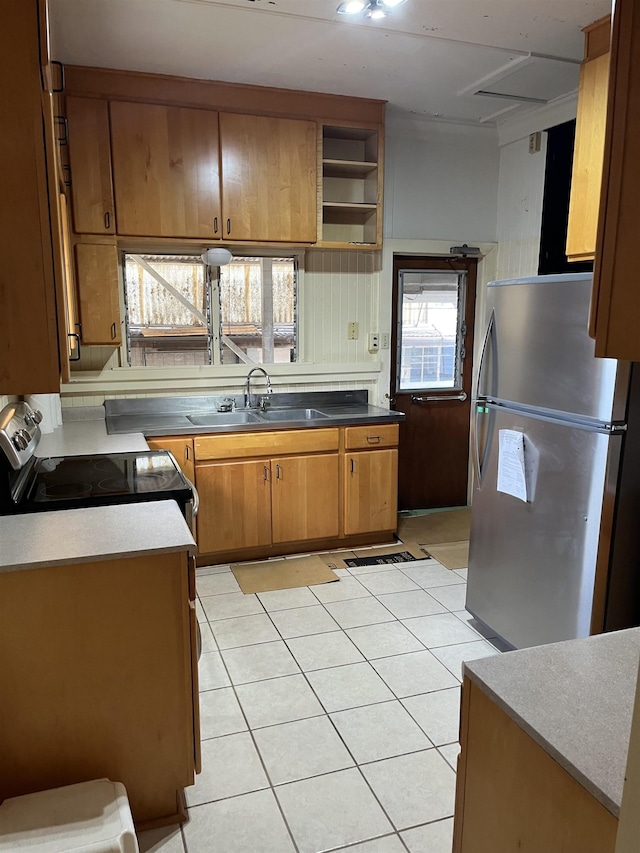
268, 178
204, 160
90, 160
97, 269
29, 354
588, 155
615, 309
165, 170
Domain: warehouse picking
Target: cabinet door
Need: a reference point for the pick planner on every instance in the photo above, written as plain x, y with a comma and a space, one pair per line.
588, 159
616, 298
90, 155
97, 270
235, 505
305, 497
182, 449
268, 178
28, 332
370, 491
165, 170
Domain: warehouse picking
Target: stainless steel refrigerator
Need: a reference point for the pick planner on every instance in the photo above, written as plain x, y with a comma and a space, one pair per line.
555, 508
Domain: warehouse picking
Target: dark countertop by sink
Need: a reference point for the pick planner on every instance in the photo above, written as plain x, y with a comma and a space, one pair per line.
171, 415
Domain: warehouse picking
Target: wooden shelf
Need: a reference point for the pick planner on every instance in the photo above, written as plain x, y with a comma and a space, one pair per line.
350, 209
347, 168
350, 205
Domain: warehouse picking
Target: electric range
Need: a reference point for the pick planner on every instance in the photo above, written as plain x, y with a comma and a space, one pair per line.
32, 484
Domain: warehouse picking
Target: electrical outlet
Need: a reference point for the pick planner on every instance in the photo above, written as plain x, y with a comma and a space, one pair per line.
374, 342
384, 340
353, 331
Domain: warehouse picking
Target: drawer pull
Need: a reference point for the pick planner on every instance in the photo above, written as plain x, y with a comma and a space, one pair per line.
107, 220
215, 224
186, 452
113, 331
373, 439
353, 466
228, 226
278, 470
266, 474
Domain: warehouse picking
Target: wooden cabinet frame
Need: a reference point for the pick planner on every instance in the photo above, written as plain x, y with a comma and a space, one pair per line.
115, 677
264, 461
512, 795
363, 116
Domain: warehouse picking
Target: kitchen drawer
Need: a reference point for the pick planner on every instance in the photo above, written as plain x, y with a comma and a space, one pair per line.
233, 446
368, 437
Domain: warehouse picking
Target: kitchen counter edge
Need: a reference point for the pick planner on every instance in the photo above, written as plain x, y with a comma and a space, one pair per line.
90, 534
575, 700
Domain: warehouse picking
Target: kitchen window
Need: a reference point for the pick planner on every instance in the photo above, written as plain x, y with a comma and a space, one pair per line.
181, 312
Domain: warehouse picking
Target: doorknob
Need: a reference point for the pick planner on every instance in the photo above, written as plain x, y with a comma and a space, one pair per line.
391, 399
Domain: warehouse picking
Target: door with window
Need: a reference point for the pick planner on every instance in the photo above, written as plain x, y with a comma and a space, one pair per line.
433, 315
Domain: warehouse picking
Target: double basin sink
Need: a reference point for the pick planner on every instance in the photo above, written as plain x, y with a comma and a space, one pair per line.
255, 416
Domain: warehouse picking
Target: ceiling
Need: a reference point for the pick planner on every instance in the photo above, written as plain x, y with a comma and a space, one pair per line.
428, 59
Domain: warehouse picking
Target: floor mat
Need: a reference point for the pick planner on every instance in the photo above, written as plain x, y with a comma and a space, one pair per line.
453, 555
436, 527
282, 574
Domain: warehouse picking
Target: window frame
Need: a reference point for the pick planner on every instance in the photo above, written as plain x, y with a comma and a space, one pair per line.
213, 311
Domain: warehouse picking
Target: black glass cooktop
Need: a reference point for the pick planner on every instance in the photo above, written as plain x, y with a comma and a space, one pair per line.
64, 482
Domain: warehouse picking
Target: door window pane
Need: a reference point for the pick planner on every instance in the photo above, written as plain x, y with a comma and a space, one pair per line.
430, 316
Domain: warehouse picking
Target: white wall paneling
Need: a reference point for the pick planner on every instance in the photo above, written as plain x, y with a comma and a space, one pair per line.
441, 181
520, 193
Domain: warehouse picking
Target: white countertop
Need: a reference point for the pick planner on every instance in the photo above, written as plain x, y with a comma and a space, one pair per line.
575, 699
40, 539
85, 437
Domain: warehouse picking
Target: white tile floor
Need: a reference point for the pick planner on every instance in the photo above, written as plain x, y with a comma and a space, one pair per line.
329, 714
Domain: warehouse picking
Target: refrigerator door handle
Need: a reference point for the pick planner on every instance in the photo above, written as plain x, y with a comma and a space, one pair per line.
480, 409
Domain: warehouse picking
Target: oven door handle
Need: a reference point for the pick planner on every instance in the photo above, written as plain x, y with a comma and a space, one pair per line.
196, 498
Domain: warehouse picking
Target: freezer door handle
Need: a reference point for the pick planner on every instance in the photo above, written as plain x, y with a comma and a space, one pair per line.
489, 335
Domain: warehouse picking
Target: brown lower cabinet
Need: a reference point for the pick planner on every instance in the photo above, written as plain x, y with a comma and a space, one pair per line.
182, 449
270, 492
511, 795
113, 689
264, 501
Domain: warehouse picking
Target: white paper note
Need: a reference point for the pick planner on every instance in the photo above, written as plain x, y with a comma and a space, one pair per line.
512, 478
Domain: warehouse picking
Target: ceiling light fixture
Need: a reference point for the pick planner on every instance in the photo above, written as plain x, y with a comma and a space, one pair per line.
373, 9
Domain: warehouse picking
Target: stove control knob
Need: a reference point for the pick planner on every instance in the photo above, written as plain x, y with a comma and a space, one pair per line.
20, 439
37, 416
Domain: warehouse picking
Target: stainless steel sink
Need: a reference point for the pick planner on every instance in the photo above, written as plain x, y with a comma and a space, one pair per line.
224, 418
292, 415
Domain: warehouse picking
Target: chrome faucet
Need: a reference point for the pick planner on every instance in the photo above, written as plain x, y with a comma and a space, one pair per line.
247, 390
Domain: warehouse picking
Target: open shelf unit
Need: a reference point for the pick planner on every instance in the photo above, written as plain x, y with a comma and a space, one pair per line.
350, 186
